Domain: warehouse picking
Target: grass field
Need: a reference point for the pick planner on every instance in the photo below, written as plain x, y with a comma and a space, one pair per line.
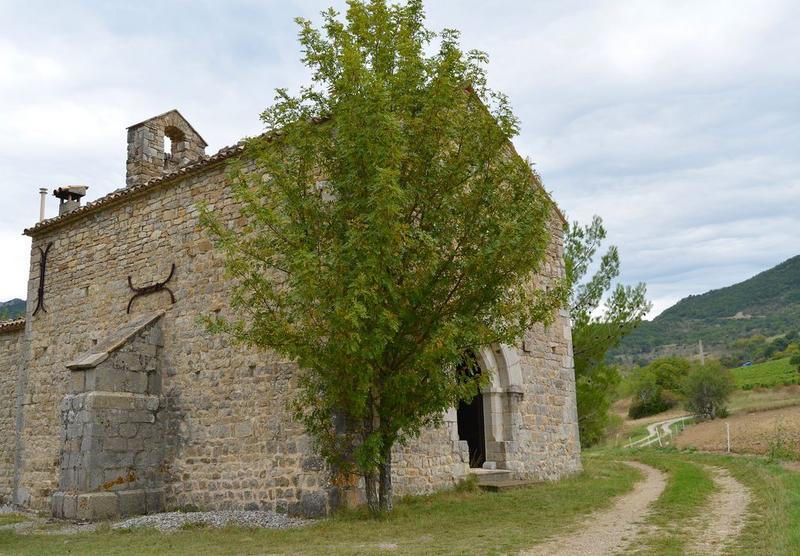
477, 523
766, 375
445, 523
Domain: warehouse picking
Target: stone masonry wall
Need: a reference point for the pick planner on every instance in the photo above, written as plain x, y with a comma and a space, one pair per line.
10, 353
549, 444
231, 441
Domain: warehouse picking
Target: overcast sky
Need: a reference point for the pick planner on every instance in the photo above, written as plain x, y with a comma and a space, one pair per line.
676, 121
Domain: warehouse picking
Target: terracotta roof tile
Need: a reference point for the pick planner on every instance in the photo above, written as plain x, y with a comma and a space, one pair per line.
12, 325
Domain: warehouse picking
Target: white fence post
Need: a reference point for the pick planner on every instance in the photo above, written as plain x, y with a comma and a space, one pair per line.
728, 435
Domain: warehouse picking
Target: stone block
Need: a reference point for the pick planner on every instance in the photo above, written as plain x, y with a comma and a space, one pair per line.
151, 403
77, 381
130, 361
242, 430
111, 400
313, 504
128, 430
96, 506
89, 380
142, 416
57, 504
132, 502
155, 500
115, 445
153, 383
70, 506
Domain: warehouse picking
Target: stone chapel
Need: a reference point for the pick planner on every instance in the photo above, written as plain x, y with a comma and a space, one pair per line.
115, 401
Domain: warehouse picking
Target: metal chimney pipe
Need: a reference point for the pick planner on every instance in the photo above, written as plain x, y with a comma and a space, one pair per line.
43, 197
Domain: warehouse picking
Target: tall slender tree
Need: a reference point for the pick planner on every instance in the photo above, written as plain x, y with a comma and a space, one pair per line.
391, 230
596, 330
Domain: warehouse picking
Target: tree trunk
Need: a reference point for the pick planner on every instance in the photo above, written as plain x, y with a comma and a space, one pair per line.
371, 488
371, 479
386, 492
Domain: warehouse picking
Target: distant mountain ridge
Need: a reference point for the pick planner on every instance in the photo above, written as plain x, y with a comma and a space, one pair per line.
13, 309
768, 304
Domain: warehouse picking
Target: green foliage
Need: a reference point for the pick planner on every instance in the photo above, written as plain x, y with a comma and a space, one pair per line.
767, 304
758, 348
594, 393
707, 390
795, 360
657, 387
9, 519
467, 484
593, 335
766, 375
670, 372
392, 230
649, 396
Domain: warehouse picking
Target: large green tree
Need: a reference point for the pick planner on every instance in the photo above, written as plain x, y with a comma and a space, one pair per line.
596, 330
392, 230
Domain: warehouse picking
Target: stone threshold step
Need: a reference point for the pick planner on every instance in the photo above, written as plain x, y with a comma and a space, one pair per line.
502, 486
491, 475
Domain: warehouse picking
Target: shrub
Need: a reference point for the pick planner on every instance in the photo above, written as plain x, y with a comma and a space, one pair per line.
781, 446
645, 409
707, 389
648, 396
670, 372
467, 484
657, 387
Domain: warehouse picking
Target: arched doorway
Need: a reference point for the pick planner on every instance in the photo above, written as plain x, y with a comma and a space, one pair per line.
470, 418
486, 426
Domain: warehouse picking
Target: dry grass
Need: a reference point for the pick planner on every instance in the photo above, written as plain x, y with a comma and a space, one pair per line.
775, 432
763, 399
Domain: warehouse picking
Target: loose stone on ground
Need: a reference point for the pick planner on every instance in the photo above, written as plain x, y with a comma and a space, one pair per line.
165, 522
174, 520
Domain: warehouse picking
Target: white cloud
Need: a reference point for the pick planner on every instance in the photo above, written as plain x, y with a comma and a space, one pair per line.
677, 121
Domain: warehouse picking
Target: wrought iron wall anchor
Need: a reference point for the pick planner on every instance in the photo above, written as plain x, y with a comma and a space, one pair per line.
152, 288
42, 270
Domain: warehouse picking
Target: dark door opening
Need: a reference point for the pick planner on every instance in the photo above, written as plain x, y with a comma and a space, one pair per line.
470, 428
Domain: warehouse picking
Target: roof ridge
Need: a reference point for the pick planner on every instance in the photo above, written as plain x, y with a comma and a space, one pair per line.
125, 192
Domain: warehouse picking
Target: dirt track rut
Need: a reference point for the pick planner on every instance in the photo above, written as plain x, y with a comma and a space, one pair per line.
723, 518
608, 531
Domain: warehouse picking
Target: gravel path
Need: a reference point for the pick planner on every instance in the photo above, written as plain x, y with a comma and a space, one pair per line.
175, 520
724, 516
609, 530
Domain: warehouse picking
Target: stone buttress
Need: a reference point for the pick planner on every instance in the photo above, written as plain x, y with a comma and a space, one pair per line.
113, 434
